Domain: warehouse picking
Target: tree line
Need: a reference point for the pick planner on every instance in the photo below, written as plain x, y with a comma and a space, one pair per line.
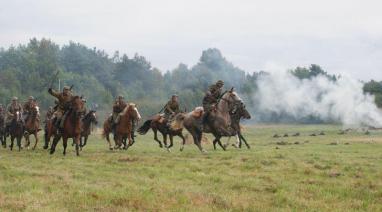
29, 69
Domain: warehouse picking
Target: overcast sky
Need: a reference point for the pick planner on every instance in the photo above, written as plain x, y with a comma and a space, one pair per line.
343, 36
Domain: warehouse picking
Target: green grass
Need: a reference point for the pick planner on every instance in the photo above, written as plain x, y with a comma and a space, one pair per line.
310, 176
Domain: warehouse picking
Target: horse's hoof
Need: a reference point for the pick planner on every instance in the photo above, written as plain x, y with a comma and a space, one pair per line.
204, 151
181, 149
168, 149
111, 148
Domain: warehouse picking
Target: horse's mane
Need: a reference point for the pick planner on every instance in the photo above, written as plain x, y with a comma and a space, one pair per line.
124, 111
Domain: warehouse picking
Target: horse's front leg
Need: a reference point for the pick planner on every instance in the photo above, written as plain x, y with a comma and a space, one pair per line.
183, 142
108, 141
77, 140
36, 140
19, 142
243, 139
220, 143
11, 145
54, 143
171, 141
156, 138
64, 144
27, 140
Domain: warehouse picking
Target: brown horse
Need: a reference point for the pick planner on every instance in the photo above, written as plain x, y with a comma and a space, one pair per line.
154, 124
124, 129
2, 130
49, 131
16, 129
72, 126
89, 119
32, 125
218, 123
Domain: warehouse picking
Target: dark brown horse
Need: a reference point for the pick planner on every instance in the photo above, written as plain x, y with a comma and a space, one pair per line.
49, 131
154, 124
239, 112
218, 123
124, 129
89, 119
32, 125
16, 129
72, 126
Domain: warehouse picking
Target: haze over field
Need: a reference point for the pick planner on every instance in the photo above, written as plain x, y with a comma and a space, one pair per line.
342, 36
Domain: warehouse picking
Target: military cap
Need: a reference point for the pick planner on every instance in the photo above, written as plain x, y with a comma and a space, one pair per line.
120, 97
31, 98
220, 82
14, 98
66, 88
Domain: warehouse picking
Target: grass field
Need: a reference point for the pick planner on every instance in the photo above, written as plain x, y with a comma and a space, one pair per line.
329, 172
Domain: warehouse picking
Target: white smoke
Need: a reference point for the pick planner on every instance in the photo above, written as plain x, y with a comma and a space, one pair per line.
340, 101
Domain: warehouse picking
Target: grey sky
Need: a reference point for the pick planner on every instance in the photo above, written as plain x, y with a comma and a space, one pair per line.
342, 36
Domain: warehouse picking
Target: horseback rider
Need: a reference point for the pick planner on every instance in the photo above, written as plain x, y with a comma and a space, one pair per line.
12, 108
62, 106
118, 106
171, 108
211, 98
27, 107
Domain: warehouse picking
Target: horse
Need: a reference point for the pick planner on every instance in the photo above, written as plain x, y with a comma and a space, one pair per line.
2, 130
218, 122
16, 129
237, 114
32, 125
154, 124
124, 128
89, 119
72, 126
49, 131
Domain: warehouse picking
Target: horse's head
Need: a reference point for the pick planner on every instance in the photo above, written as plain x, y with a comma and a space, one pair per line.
133, 112
91, 117
241, 111
17, 116
230, 99
35, 109
77, 105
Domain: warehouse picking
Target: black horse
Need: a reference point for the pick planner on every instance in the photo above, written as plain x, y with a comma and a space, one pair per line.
16, 129
89, 119
239, 112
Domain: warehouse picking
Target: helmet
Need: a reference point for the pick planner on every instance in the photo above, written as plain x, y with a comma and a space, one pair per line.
30, 98
174, 95
220, 83
14, 98
120, 97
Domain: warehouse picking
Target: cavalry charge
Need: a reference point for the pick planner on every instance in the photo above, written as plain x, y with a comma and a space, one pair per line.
220, 115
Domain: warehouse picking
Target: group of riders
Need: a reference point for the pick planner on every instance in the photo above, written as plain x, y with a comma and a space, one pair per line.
58, 113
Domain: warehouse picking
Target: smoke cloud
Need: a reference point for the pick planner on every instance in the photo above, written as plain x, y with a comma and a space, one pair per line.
333, 101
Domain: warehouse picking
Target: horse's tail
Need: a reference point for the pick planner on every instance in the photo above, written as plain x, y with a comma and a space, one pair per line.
145, 127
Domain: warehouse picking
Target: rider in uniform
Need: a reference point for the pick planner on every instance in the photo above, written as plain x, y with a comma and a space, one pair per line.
12, 108
27, 107
63, 105
171, 108
211, 98
118, 106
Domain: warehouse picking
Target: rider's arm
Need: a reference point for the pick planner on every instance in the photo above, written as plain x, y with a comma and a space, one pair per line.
53, 93
168, 107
